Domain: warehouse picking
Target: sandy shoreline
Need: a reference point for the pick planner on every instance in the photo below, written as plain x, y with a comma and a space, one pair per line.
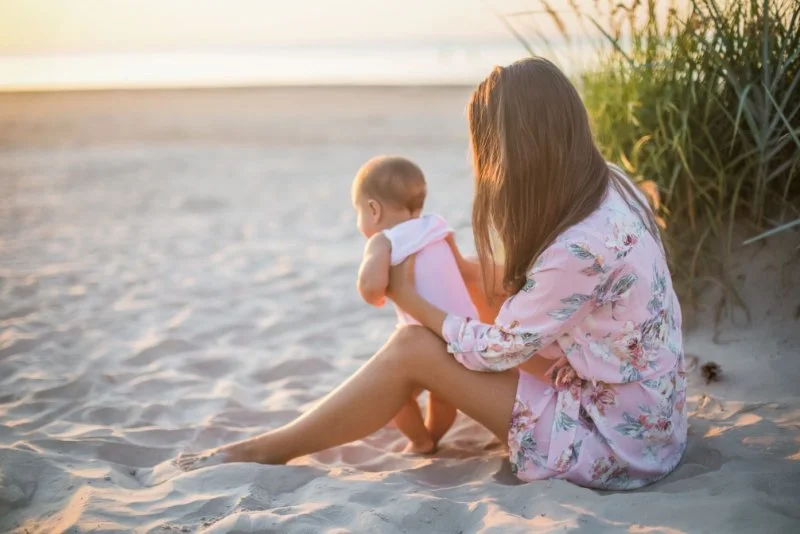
177, 270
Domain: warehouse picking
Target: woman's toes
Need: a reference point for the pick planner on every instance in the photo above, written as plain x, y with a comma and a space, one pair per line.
188, 461
185, 461
191, 461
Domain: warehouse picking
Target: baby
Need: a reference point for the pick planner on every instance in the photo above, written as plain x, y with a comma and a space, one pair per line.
388, 195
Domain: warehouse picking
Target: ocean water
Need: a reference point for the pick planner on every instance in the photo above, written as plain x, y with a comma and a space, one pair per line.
363, 64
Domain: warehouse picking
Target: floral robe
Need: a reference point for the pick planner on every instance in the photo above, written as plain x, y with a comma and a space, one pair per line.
600, 303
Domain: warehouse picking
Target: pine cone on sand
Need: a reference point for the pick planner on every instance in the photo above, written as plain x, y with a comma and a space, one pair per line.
711, 371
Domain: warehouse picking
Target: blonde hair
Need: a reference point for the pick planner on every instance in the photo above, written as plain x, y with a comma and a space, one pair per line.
394, 180
537, 168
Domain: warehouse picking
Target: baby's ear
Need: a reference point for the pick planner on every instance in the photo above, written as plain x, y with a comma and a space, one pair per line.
375, 208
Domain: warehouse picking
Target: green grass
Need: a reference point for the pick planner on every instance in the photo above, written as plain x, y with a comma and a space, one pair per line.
703, 100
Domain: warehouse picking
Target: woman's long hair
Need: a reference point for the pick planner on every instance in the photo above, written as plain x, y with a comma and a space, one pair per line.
537, 168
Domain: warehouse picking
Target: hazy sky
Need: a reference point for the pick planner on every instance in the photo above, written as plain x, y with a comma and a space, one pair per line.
47, 26
142, 43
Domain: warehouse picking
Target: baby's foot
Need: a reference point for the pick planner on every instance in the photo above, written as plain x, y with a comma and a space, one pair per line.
425, 446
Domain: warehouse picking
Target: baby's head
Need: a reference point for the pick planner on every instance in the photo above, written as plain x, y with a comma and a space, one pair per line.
387, 190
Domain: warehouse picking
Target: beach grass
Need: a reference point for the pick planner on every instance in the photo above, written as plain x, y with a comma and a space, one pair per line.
702, 99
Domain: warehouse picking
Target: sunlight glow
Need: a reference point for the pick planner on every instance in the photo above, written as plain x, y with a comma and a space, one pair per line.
46, 44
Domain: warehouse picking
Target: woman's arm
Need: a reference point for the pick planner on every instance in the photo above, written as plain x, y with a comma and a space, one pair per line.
373, 275
562, 288
407, 298
433, 318
487, 303
403, 292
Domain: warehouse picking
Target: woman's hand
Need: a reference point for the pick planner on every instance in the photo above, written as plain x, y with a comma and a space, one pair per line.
488, 305
487, 301
469, 268
402, 285
402, 290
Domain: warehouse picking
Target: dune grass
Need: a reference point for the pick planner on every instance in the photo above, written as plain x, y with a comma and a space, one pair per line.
703, 99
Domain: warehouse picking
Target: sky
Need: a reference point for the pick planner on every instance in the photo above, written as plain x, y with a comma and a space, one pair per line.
47, 26
97, 43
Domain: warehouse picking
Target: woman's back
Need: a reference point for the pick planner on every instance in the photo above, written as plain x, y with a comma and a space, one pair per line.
629, 350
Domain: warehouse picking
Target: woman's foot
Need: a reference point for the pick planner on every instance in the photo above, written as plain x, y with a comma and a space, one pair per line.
243, 451
191, 461
184, 463
425, 446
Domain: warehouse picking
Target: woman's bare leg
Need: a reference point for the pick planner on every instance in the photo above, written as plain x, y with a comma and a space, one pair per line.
412, 358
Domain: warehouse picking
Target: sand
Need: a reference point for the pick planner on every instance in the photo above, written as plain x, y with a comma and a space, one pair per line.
177, 271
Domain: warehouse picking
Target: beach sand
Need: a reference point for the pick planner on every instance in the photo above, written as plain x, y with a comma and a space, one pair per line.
177, 270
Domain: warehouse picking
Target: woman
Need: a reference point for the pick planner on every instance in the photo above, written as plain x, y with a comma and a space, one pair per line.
589, 297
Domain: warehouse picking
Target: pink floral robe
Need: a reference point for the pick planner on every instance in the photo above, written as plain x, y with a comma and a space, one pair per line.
600, 302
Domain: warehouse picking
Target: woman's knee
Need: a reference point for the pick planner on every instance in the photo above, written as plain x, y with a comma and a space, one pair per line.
413, 344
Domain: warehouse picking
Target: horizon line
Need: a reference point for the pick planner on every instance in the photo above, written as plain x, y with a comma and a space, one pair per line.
226, 87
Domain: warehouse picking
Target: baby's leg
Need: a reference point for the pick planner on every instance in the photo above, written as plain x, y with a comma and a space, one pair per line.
440, 417
409, 422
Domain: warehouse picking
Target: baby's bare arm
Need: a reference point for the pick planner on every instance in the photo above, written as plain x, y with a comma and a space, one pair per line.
373, 275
